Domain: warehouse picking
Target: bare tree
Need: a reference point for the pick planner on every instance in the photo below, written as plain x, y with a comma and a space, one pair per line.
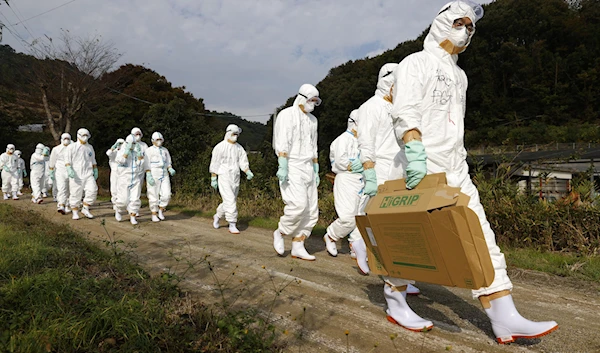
69, 75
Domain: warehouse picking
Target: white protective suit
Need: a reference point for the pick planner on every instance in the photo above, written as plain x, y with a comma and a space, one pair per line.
111, 153
48, 183
21, 171
9, 166
58, 168
158, 162
130, 166
228, 158
376, 139
348, 187
137, 135
295, 136
430, 94
37, 166
81, 157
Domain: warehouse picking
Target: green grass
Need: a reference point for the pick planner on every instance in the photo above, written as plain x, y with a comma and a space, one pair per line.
60, 293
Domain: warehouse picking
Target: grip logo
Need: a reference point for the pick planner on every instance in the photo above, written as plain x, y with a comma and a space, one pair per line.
399, 201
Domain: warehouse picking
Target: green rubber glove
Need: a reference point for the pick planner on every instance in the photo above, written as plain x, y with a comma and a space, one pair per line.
115, 146
316, 169
356, 166
214, 183
150, 179
6, 168
24, 173
95, 170
282, 171
370, 182
46, 152
52, 176
249, 175
171, 171
417, 163
70, 172
128, 146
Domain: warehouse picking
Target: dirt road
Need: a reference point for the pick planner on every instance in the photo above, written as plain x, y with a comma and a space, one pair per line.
323, 300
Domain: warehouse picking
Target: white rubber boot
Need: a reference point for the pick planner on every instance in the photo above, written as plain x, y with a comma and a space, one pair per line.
233, 229
216, 221
75, 214
86, 212
118, 216
19, 193
412, 290
155, 218
60, 209
508, 324
299, 251
44, 195
67, 209
15, 196
330, 245
161, 215
6, 196
401, 314
132, 219
278, 242
360, 249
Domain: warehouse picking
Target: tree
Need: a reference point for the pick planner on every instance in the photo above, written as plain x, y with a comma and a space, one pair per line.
69, 74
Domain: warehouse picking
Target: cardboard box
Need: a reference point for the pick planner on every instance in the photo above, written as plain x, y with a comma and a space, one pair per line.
427, 234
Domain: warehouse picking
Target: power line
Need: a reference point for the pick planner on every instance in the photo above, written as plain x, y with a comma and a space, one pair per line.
45, 12
18, 18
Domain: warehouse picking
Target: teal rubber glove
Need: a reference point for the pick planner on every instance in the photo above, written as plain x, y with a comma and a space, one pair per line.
249, 175
6, 168
24, 173
115, 146
46, 152
52, 176
316, 169
282, 171
370, 182
214, 183
356, 166
70, 172
171, 171
95, 171
128, 146
417, 163
150, 179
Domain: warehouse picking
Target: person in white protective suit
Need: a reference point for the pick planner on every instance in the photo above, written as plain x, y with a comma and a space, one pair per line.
130, 159
348, 194
428, 115
83, 172
111, 153
159, 169
9, 166
137, 134
59, 175
228, 158
377, 145
295, 144
48, 183
21, 172
37, 165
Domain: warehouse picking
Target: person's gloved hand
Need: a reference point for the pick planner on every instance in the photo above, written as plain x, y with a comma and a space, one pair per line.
138, 149
52, 176
150, 179
95, 171
214, 183
417, 163
370, 181
282, 171
6, 168
316, 169
128, 146
171, 171
115, 146
356, 166
46, 152
24, 173
249, 175
70, 171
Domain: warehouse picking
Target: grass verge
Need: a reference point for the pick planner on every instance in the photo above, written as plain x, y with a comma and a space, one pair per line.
59, 293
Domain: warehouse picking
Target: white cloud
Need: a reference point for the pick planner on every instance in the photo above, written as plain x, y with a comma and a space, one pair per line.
241, 56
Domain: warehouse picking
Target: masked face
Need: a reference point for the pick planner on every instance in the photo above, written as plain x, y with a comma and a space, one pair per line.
308, 107
158, 143
66, 142
459, 36
233, 138
83, 138
10, 151
138, 137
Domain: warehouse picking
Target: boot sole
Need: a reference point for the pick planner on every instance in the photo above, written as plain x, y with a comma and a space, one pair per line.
62, 212
515, 337
301, 258
424, 329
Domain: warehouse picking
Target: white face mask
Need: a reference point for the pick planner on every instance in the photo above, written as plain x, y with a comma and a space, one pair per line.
138, 138
308, 107
233, 138
66, 142
83, 138
459, 36
158, 143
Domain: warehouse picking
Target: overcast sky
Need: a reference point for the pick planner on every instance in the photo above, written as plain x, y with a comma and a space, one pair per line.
242, 56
